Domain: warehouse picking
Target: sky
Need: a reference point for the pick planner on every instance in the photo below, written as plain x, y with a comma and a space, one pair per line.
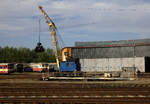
76, 20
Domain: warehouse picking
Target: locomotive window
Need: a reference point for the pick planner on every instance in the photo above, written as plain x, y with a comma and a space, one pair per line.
68, 64
10, 66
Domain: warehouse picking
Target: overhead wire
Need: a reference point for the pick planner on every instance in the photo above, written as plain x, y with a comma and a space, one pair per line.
60, 39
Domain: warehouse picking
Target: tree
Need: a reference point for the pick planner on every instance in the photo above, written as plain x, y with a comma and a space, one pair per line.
25, 55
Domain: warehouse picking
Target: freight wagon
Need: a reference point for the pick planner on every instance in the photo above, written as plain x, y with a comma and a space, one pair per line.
6, 68
19, 67
37, 67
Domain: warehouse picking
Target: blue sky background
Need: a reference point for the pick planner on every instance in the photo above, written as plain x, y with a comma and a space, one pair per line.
76, 20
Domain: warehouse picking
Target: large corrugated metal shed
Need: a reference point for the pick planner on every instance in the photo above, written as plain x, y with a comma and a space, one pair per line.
112, 49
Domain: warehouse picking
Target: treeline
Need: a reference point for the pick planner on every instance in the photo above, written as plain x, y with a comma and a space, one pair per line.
25, 55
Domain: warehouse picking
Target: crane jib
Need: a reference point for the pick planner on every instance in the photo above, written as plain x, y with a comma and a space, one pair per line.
53, 36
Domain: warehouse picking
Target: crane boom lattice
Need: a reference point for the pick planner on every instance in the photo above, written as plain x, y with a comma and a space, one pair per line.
53, 35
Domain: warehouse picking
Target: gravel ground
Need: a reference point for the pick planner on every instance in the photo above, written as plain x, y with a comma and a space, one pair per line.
35, 78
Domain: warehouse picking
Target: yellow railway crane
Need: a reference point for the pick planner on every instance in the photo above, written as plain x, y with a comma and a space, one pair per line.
53, 35
64, 66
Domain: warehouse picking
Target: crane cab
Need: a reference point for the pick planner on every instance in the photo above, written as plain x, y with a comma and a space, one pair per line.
68, 64
66, 54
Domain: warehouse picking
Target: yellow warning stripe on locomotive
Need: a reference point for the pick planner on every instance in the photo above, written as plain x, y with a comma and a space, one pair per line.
3, 69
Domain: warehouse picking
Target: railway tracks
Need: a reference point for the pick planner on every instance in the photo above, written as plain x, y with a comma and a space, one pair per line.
53, 93
26, 75
34, 91
79, 101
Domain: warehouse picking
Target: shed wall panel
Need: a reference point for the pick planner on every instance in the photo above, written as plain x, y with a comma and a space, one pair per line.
111, 64
92, 53
128, 48
140, 63
110, 52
